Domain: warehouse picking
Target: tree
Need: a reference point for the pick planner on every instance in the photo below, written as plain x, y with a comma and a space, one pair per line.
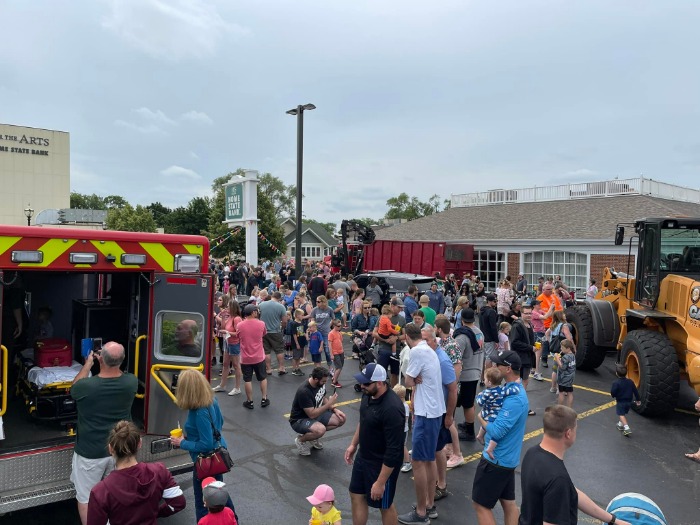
192, 219
81, 201
281, 196
115, 201
405, 207
330, 227
160, 214
131, 219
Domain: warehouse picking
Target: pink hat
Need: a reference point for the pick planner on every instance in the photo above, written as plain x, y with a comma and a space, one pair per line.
322, 494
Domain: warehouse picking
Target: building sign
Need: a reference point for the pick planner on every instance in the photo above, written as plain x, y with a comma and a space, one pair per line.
234, 202
25, 144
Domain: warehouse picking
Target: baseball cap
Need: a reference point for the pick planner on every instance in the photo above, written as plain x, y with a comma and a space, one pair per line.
508, 358
214, 492
371, 373
322, 494
396, 301
250, 308
467, 315
491, 297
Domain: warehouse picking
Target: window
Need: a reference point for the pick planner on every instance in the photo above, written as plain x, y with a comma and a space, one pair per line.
490, 267
572, 266
294, 251
179, 336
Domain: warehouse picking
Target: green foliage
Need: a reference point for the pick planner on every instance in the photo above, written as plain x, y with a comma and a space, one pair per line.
131, 219
160, 213
81, 201
330, 227
192, 219
282, 197
405, 207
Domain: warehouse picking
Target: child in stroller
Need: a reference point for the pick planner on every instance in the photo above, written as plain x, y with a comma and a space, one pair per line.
363, 347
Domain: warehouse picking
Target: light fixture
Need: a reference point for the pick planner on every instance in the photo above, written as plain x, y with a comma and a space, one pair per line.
133, 258
187, 263
28, 213
27, 256
82, 258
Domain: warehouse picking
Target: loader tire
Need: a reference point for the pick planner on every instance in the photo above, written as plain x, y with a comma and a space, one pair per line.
589, 356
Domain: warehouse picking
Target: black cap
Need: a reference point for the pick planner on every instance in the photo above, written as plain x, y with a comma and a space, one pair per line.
508, 358
250, 308
491, 297
467, 315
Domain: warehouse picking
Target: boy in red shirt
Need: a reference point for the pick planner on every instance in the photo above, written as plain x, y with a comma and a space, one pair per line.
215, 498
335, 341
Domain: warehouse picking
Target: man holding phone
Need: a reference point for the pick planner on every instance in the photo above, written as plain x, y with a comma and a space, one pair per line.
313, 413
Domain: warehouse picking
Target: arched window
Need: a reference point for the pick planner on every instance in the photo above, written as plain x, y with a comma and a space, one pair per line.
572, 266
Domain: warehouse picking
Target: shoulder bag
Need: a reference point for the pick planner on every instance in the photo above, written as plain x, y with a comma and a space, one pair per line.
216, 462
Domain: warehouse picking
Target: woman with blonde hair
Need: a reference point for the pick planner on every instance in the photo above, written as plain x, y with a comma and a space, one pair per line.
133, 493
195, 395
462, 303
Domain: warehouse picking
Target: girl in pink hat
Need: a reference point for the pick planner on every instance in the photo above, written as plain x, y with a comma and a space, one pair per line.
324, 511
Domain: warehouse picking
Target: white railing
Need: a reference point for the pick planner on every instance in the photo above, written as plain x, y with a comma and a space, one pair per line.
582, 190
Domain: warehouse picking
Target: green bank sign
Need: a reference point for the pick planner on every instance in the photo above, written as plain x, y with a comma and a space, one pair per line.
234, 202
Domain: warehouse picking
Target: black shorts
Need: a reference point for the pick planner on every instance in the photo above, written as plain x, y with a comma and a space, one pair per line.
565, 388
258, 368
492, 483
338, 361
364, 474
467, 393
297, 353
622, 408
525, 372
302, 426
389, 363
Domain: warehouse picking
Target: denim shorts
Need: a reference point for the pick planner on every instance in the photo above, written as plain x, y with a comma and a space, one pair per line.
425, 437
234, 348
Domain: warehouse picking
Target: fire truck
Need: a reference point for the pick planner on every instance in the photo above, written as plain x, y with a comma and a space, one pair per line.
138, 289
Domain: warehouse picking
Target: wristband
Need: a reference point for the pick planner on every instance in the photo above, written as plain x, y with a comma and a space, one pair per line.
613, 519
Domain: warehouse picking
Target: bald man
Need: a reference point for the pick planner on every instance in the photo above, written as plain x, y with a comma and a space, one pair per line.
185, 334
102, 401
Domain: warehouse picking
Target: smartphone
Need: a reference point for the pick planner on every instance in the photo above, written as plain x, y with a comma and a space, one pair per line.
335, 389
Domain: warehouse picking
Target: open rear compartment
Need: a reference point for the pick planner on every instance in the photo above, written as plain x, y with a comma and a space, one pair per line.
106, 306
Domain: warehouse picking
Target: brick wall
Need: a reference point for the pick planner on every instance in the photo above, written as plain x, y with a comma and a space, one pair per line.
599, 262
513, 266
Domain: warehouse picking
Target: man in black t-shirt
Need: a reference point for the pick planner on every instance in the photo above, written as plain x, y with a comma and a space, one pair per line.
313, 413
380, 437
549, 495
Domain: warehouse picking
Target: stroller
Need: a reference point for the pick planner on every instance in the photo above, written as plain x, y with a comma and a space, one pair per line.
365, 349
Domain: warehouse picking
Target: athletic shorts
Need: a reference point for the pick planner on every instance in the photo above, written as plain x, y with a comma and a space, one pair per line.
444, 436
338, 361
297, 353
364, 474
273, 343
622, 408
492, 483
489, 350
425, 437
316, 358
234, 349
86, 473
302, 426
467, 393
565, 388
259, 369
525, 372
390, 364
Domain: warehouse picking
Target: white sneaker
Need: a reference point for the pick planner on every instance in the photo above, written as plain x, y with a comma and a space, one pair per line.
302, 447
537, 377
406, 467
317, 444
235, 392
218, 388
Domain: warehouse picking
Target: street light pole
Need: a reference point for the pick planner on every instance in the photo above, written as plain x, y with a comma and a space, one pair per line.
299, 112
28, 213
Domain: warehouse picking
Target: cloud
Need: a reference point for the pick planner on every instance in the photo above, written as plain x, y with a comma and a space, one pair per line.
154, 121
197, 116
172, 30
179, 171
146, 129
156, 116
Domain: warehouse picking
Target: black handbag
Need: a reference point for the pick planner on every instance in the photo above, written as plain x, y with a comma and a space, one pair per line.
216, 462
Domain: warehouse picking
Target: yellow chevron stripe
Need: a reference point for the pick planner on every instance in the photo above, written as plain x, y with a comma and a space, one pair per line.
162, 256
196, 249
53, 249
7, 242
110, 248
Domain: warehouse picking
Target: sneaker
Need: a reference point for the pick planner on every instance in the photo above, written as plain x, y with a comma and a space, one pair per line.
537, 377
337, 385
297, 372
531, 413
440, 493
302, 447
235, 392
412, 518
431, 512
461, 426
553, 390
407, 467
463, 436
248, 404
281, 372
627, 431
221, 372
620, 426
265, 402
455, 461
317, 444
218, 388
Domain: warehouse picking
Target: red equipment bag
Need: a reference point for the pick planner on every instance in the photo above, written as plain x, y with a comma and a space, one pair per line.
53, 352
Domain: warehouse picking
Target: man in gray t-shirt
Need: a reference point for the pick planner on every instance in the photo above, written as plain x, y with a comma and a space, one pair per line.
274, 315
469, 340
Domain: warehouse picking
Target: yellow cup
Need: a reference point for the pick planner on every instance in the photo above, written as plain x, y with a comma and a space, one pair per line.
538, 345
176, 433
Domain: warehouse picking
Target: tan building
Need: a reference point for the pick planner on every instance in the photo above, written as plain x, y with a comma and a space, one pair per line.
565, 230
34, 170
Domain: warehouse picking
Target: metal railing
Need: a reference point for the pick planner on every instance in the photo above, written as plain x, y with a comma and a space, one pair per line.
582, 190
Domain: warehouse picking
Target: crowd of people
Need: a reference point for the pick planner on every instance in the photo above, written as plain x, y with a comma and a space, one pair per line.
430, 358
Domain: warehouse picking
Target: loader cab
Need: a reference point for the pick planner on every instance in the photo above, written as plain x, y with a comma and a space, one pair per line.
666, 246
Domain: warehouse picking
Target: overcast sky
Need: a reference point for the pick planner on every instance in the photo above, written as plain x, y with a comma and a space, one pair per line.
453, 96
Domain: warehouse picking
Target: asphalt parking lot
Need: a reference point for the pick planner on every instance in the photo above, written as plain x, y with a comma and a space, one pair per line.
269, 482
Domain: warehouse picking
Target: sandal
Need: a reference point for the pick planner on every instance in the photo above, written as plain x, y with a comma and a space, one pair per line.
693, 457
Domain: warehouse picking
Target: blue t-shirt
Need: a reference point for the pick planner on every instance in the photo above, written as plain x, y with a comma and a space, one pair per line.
508, 430
447, 370
289, 299
409, 306
315, 340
